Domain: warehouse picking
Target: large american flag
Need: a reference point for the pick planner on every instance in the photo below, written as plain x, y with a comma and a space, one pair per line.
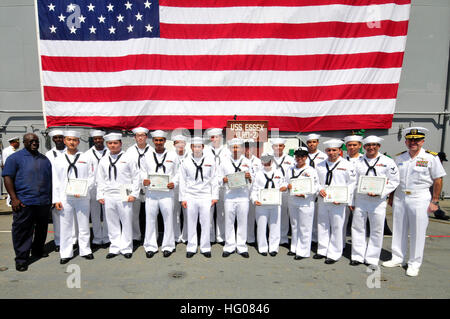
303, 65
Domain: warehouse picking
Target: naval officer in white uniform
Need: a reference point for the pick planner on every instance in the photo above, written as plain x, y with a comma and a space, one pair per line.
419, 170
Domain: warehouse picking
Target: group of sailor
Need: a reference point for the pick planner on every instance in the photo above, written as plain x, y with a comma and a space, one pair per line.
198, 189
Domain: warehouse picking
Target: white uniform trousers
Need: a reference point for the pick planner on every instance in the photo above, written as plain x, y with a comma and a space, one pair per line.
74, 209
136, 208
120, 229
198, 209
410, 216
236, 240
370, 251
99, 228
344, 228
284, 222
155, 202
330, 220
218, 230
179, 233
301, 227
57, 228
315, 222
270, 215
251, 220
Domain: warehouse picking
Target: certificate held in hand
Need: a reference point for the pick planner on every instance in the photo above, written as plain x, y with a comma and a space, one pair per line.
337, 194
237, 180
77, 186
270, 196
371, 184
301, 186
158, 182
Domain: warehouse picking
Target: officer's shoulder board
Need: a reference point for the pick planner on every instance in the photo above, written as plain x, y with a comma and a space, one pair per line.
400, 153
431, 152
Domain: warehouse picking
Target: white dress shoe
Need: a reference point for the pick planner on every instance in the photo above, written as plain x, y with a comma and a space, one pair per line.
412, 271
392, 263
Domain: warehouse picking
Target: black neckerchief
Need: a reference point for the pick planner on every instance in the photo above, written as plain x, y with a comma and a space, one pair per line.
55, 155
280, 165
199, 168
98, 159
269, 180
311, 160
296, 176
237, 168
216, 157
141, 155
72, 164
113, 165
158, 164
371, 167
329, 176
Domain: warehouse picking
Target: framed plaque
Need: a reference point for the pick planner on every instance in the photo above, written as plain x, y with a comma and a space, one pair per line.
301, 185
77, 186
270, 196
337, 194
158, 182
371, 184
237, 180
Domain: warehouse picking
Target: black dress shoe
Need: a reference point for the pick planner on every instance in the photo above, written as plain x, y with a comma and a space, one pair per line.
111, 255
166, 253
297, 257
253, 244
57, 249
128, 255
21, 267
273, 253
89, 257
106, 245
96, 246
355, 263
63, 261
39, 255
221, 243
207, 254
226, 254
189, 255
150, 254
330, 261
245, 255
264, 254
285, 245
317, 256
290, 253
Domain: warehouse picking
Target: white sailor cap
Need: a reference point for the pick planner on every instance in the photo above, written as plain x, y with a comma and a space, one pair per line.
96, 133
139, 130
55, 133
214, 132
266, 158
72, 133
372, 139
235, 141
333, 143
414, 132
159, 133
13, 138
179, 138
312, 136
278, 140
197, 140
353, 138
113, 137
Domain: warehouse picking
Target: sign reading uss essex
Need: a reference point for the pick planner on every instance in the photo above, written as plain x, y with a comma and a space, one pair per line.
256, 130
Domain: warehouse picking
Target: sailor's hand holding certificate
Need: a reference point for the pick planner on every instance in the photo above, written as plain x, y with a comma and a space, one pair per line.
335, 194
158, 182
236, 180
270, 196
301, 186
77, 187
371, 185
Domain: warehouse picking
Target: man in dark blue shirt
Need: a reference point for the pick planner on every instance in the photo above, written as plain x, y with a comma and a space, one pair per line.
28, 180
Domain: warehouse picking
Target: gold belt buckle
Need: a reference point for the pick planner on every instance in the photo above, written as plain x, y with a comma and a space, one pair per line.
408, 192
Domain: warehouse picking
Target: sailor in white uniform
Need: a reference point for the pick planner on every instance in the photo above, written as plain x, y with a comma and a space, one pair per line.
68, 168
136, 153
159, 162
315, 156
251, 154
268, 177
118, 186
180, 233
14, 144
282, 162
412, 200
334, 171
371, 205
99, 228
199, 191
236, 199
218, 150
301, 206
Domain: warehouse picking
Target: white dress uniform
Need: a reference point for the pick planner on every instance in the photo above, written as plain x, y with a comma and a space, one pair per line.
198, 187
283, 163
156, 200
267, 214
411, 201
113, 173
99, 229
301, 211
353, 161
65, 167
218, 230
137, 154
7, 151
373, 208
330, 217
256, 166
236, 204
179, 233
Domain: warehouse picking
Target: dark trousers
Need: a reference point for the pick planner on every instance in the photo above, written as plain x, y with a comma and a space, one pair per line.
29, 220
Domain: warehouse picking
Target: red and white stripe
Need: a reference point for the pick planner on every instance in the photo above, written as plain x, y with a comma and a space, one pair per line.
302, 66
